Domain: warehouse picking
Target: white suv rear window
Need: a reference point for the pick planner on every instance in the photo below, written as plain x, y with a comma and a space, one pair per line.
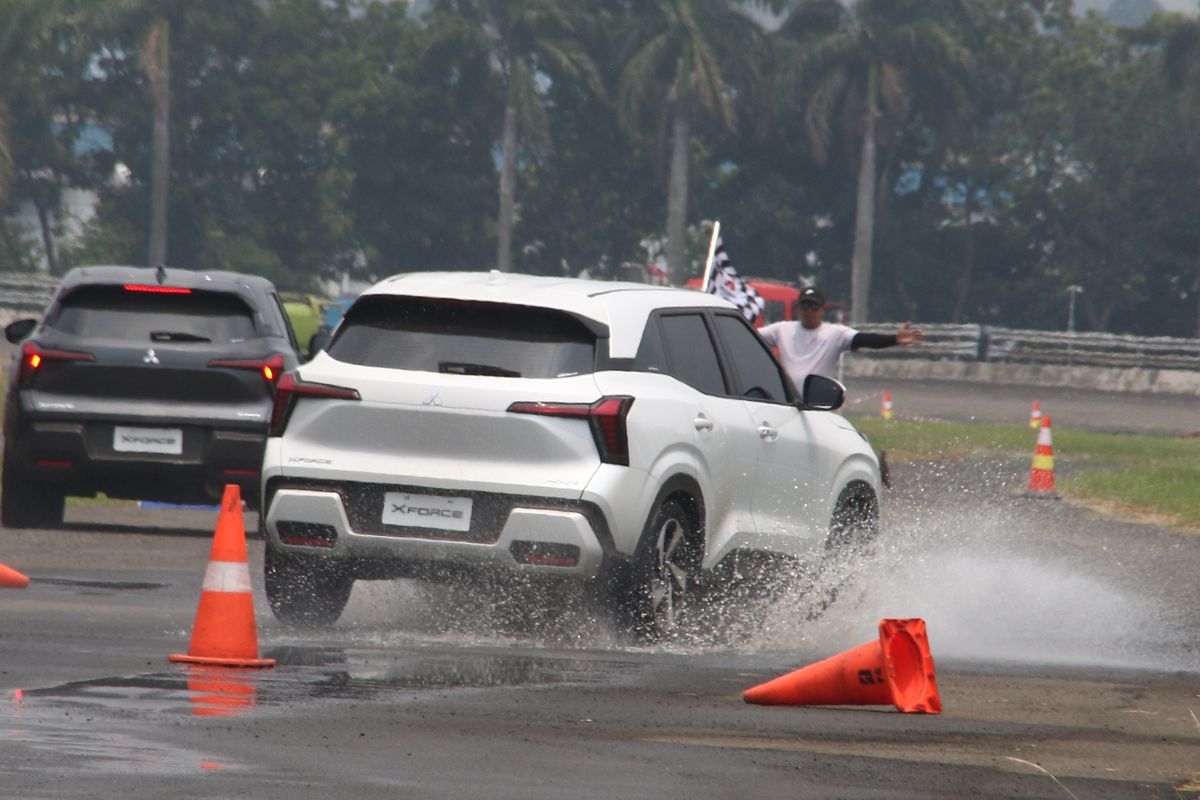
448, 336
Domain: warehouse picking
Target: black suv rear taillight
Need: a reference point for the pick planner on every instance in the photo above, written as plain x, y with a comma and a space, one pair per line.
606, 417
34, 358
291, 389
271, 367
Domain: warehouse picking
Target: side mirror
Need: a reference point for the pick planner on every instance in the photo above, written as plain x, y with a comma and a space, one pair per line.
823, 394
15, 332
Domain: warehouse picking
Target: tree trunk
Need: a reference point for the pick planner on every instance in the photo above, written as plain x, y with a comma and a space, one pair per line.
864, 213
156, 64
508, 189
963, 289
47, 237
677, 197
1197, 292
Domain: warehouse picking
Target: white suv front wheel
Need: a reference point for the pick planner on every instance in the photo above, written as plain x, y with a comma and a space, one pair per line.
664, 584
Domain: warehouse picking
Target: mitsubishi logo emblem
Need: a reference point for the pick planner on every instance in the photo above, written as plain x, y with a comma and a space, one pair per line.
150, 357
434, 399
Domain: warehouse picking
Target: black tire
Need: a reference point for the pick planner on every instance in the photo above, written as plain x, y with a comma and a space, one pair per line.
664, 583
855, 523
305, 591
24, 504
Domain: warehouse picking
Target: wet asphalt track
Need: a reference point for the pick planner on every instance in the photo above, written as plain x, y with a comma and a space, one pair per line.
1066, 648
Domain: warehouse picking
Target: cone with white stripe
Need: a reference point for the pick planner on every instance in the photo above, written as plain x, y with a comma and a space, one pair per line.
224, 632
885, 410
1041, 474
1035, 415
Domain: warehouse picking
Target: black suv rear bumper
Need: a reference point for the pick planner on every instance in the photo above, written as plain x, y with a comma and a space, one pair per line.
78, 458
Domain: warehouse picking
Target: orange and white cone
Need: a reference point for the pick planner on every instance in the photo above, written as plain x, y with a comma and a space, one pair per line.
11, 579
224, 632
886, 411
1035, 415
894, 669
1041, 474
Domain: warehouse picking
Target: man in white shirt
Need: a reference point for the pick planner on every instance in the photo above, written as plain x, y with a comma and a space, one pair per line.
814, 346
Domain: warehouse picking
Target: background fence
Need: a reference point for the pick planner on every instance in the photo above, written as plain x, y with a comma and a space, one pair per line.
20, 292
987, 344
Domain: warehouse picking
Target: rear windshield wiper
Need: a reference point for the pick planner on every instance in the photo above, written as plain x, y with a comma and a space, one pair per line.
460, 368
176, 336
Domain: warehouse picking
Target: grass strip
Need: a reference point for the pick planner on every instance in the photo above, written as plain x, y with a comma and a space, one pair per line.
1142, 475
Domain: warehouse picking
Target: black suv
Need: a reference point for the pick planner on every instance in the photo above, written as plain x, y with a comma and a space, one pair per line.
148, 384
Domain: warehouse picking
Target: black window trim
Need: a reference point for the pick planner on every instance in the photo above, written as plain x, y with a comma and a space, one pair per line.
724, 360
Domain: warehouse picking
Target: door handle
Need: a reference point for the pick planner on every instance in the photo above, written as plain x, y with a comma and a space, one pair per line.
767, 433
702, 423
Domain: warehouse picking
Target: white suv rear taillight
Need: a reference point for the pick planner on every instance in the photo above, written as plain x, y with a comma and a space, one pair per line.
290, 389
606, 417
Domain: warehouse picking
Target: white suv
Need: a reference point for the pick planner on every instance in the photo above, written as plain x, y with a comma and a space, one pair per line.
632, 438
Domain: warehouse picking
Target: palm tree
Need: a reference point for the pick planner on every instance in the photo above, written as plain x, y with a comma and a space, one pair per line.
880, 60
675, 77
1181, 65
523, 43
155, 63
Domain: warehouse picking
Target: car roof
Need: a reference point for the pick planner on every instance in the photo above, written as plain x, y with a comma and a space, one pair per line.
171, 276
621, 306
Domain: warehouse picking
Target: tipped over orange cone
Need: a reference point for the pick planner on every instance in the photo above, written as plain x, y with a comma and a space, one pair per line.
1041, 473
1035, 415
11, 579
886, 410
897, 669
224, 632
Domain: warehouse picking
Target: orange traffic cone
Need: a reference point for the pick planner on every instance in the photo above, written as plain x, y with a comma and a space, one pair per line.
897, 669
886, 412
12, 579
1035, 415
224, 631
1041, 474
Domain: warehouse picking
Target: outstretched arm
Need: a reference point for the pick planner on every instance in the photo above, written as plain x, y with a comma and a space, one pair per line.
905, 334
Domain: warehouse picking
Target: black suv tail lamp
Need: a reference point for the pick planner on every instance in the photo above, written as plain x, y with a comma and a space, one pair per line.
291, 389
271, 367
606, 417
34, 358
149, 288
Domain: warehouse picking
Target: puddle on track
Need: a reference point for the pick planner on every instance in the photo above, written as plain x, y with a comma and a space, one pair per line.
93, 724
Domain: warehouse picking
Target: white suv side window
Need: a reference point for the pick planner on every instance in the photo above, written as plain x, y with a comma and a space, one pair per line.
759, 376
691, 354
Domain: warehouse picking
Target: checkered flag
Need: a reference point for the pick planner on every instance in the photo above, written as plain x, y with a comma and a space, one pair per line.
725, 282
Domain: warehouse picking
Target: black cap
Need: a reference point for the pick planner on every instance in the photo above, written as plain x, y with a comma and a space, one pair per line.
811, 293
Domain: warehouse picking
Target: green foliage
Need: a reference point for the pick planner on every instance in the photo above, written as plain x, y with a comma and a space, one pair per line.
1022, 149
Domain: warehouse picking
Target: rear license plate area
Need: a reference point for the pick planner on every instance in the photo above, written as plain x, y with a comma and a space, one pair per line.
427, 511
164, 441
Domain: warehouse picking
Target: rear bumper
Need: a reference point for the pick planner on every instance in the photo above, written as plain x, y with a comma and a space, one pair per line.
78, 458
512, 534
